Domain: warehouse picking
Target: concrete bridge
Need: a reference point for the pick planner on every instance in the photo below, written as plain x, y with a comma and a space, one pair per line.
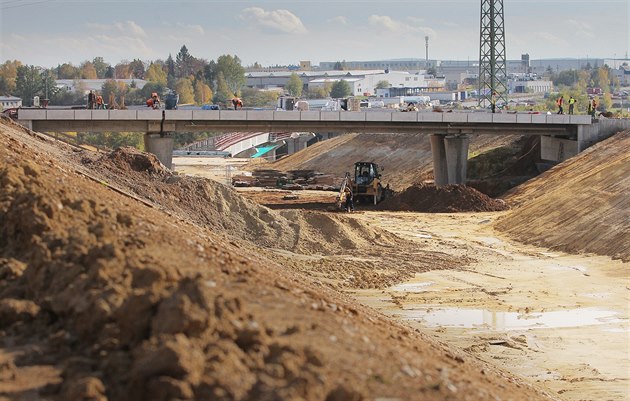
563, 135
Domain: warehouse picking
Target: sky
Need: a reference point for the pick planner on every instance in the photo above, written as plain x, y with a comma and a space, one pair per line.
50, 32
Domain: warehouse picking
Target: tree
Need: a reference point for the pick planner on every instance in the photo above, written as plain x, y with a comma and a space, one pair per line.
340, 89
222, 94
203, 93
294, 85
170, 65
68, 71
259, 98
8, 75
382, 85
184, 88
210, 73
233, 72
114, 90
184, 63
606, 103
88, 71
49, 86
28, 83
136, 68
338, 66
156, 74
121, 71
602, 78
100, 66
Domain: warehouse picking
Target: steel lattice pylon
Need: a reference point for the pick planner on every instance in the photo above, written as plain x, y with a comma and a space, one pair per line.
492, 68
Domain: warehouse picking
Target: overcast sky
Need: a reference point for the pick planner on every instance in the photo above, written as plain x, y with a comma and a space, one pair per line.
50, 32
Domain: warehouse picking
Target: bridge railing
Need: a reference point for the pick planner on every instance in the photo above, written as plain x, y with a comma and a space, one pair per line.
288, 116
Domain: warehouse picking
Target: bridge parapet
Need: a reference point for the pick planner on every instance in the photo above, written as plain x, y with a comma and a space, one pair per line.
291, 116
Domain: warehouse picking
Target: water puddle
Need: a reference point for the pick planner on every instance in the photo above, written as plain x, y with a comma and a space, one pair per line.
503, 321
412, 287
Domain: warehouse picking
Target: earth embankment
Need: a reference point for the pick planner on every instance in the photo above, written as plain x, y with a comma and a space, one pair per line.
580, 205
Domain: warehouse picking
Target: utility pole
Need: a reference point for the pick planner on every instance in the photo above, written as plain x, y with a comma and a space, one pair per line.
492, 63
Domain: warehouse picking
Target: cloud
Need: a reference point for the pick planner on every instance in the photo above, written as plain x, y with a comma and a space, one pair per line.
551, 38
125, 28
279, 21
579, 28
192, 29
389, 24
339, 20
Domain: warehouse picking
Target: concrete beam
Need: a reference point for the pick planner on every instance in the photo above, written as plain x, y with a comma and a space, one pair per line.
438, 150
456, 157
161, 146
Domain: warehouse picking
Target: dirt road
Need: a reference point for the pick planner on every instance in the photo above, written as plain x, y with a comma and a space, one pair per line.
559, 320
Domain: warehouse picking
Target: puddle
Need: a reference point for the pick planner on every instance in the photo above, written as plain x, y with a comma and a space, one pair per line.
412, 287
479, 318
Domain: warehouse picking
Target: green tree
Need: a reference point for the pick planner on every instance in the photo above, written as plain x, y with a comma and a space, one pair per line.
156, 74
340, 89
184, 88
184, 63
602, 78
28, 83
68, 71
338, 66
382, 85
233, 72
136, 68
49, 87
294, 85
222, 94
170, 65
319, 92
101, 67
606, 102
210, 73
8, 76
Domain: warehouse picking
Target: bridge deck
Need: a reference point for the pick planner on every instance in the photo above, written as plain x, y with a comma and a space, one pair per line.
270, 120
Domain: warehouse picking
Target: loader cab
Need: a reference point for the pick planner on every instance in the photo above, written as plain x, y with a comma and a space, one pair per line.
366, 186
365, 172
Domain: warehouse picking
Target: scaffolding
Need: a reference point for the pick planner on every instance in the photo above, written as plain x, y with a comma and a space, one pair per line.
492, 64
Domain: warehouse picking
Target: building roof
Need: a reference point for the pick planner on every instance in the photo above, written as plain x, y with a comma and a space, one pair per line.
10, 98
332, 73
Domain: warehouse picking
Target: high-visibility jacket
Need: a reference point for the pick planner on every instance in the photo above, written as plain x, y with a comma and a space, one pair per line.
571, 101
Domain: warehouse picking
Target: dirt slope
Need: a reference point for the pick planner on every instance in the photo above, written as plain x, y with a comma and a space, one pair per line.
103, 297
581, 205
406, 157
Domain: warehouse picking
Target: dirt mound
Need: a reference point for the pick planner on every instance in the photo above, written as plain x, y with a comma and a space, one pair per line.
447, 199
115, 300
582, 204
222, 209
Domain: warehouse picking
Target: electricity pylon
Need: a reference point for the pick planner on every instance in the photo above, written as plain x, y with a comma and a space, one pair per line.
492, 64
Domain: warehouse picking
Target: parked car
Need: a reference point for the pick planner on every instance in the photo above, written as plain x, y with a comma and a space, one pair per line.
210, 107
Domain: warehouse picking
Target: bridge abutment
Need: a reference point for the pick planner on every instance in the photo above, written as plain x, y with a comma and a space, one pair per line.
161, 145
450, 158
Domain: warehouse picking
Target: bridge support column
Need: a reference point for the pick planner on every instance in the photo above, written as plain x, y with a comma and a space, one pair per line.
161, 145
438, 149
457, 157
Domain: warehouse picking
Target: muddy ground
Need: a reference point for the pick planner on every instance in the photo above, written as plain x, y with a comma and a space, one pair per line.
123, 281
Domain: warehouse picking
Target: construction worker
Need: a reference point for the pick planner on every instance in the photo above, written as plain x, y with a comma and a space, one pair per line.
594, 108
571, 104
493, 102
91, 100
349, 204
560, 102
237, 102
99, 102
154, 101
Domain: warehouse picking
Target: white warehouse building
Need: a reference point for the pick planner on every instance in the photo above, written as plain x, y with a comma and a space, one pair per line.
365, 85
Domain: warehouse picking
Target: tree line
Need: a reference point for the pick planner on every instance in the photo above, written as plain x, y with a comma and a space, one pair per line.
196, 80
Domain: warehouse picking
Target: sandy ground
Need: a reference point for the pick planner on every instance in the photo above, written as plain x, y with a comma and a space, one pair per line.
216, 168
559, 320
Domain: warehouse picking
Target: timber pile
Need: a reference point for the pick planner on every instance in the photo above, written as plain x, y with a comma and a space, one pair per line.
294, 180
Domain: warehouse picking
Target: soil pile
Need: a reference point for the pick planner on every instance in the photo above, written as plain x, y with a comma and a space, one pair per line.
406, 158
222, 209
119, 301
446, 199
582, 204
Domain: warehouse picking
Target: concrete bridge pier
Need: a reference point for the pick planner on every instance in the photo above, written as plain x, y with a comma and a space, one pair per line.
161, 145
450, 158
